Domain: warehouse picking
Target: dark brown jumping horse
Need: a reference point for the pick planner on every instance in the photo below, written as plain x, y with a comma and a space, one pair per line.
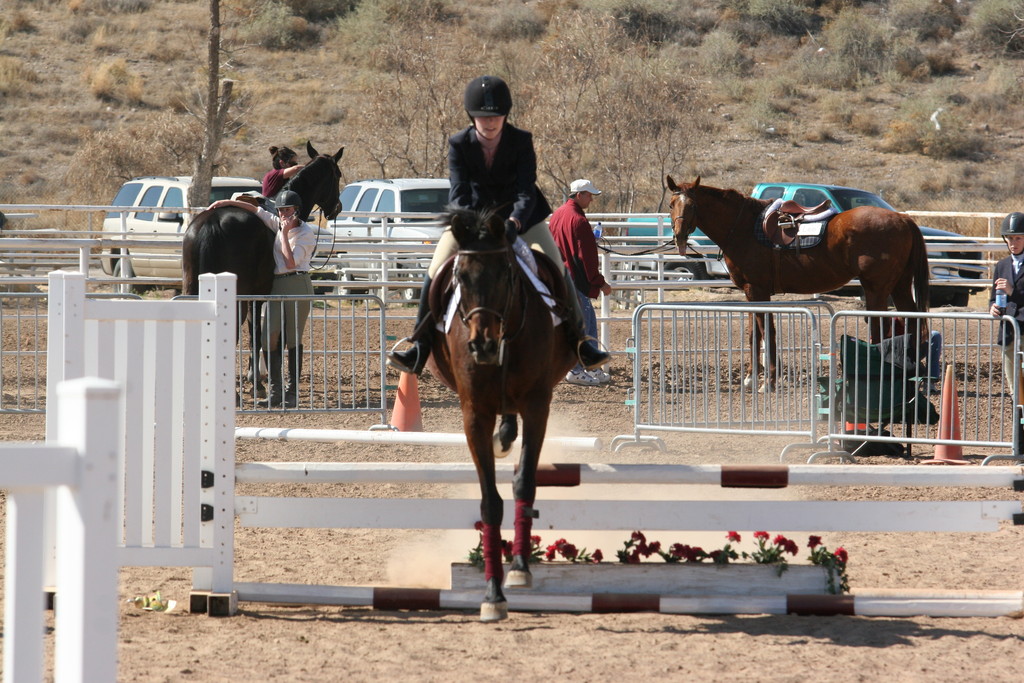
883, 249
231, 240
503, 356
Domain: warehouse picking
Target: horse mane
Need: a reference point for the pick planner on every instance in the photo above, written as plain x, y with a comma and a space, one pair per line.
472, 228
729, 196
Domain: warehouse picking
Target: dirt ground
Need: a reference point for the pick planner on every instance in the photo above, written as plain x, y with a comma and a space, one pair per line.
265, 642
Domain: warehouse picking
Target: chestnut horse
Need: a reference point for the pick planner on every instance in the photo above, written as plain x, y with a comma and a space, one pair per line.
232, 240
883, 249
503, 355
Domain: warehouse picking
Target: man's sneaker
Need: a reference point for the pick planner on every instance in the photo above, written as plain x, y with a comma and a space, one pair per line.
601, 376
582, 378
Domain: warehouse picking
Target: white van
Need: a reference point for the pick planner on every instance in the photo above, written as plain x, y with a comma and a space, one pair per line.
163, 200
399, 207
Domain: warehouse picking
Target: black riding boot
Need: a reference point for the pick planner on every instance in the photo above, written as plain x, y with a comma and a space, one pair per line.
294, 373
415, 358
276, 389
590, 356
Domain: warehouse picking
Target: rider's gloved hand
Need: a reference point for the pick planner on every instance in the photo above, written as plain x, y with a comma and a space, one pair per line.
511, 231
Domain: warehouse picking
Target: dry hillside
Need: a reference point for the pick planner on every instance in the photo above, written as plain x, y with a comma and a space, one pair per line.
916, 99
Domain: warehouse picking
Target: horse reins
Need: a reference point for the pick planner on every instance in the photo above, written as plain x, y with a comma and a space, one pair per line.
502, 316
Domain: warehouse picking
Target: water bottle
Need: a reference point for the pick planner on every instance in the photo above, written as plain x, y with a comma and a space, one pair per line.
598, 231
1001, 301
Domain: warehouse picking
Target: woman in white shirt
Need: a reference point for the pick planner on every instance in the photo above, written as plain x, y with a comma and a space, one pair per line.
285, 322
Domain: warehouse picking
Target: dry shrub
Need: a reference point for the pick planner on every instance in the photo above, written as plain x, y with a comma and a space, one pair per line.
162, 144
926, 19
865, 123
17, 22
79, 28
721, 54
788, 17
375, 23
909, 62
997, 24
651, 22
15, 76
857, 46
112, 81
819, 133
156, 46
514, 22
838, 108
931, 128
811, 163
107, 39
321, 10
941, 59
271, 25
120, 6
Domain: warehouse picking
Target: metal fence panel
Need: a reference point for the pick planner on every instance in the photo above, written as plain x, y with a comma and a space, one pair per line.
690, 361
891, 393
342, 350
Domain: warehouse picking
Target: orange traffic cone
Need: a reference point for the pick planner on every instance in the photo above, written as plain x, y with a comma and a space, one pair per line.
406, 417
949, 426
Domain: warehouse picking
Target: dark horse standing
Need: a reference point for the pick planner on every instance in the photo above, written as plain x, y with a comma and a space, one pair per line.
504, 356
235, 241
882, 248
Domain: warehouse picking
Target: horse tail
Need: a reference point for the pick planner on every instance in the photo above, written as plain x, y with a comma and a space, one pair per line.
922, 273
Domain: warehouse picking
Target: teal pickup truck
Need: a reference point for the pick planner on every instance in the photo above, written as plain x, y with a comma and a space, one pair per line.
959, 265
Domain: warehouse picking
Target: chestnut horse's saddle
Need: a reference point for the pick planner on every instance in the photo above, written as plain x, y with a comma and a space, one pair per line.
788, 225
548, 281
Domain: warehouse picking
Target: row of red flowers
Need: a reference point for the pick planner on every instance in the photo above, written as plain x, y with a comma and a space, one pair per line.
769, 550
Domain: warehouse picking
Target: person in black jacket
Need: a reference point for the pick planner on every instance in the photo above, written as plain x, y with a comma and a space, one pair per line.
493, 166
1008, 280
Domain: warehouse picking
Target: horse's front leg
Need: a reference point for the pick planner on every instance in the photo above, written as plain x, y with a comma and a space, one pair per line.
479, 432
508, 430
524, 487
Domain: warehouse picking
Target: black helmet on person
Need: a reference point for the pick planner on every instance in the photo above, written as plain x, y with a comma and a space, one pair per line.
288, 198
487, 96
1013, 224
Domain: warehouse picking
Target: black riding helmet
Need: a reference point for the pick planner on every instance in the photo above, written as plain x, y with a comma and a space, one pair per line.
288, 198
487, 96
1013, 224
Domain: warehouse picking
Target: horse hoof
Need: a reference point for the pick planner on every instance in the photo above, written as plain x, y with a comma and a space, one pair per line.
748, 382
493, 611
499, 450
517, 578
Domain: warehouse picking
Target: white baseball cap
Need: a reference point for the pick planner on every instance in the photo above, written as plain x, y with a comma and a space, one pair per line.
583, 185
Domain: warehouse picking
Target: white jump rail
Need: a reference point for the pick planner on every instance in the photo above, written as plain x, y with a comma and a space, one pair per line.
675, 515
78, 467
406, 438
176, 454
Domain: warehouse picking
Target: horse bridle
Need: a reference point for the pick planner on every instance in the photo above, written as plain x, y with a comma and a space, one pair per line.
692, 206
502, 316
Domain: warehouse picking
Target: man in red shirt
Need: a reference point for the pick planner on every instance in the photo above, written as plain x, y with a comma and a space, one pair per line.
575, 239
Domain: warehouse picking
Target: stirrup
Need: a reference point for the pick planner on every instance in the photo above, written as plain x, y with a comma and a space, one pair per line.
398, 364
605, 356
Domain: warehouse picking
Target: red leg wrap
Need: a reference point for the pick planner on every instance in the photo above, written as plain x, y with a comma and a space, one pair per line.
492, 553
523, 526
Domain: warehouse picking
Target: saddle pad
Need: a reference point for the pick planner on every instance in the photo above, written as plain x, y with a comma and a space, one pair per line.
808, 235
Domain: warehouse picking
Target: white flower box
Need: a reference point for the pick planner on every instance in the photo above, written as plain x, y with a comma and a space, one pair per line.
679, 579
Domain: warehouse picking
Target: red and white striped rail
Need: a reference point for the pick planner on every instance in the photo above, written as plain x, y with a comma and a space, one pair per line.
902, 603
574, 474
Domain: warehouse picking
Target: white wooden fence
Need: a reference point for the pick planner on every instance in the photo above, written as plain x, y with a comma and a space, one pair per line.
176, 456
77, 467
